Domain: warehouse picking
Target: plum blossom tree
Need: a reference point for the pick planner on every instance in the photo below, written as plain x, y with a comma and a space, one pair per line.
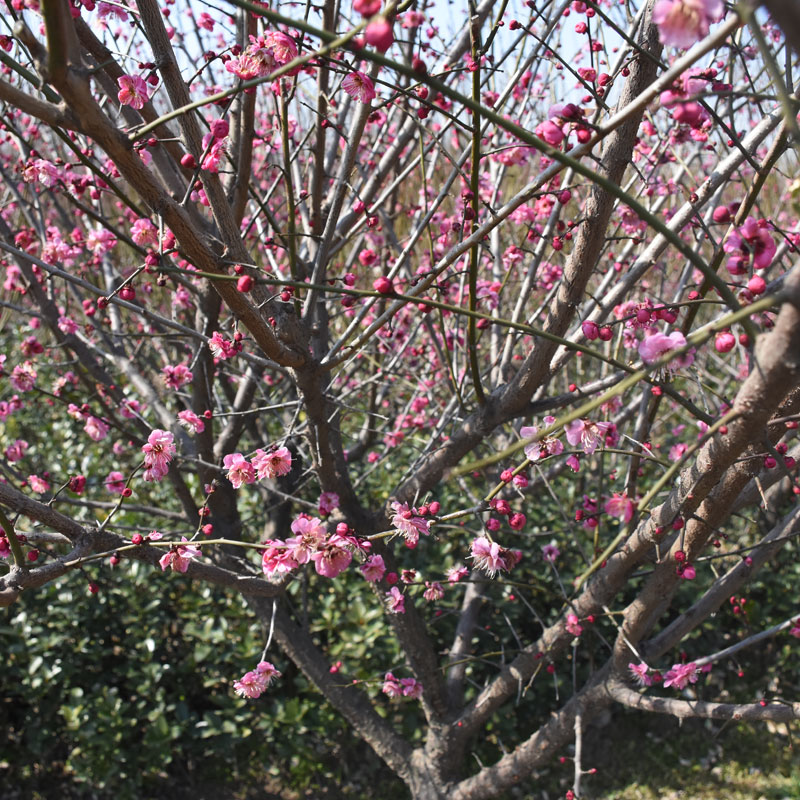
353, 302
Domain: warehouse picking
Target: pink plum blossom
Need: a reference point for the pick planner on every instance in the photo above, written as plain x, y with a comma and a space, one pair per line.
683, 22
254, 683
681, 675
96, 429
550, 553
39, 485
654, 347
16, 451
359, 86
240, 470
331, 559
586, 434
373, 568
750, 243
190, 421
273, 464
277, 558
409, 524
221, 347
546, 446
433, 591
391, 686
639, 674
455, 574
158, 452
176, 376
620, 506
179, 557
132, 91
396, 601
23, 377
411, 687
115, 482
328, 502
491, 557
572, 625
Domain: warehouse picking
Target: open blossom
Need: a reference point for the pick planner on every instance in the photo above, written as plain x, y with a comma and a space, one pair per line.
359, 86
683, 22
550, 553
277, 557
546, 446
639, 674
620, 506
176, 376
179, 557
254, 683
751, 241
328, 502
240, 470
433, 591
455, 574
16, 451
411, 687
273, 464
586, 435
681, 675
396, 601
408, 523
373, 568
158, 452
132, 91
191, 421
96, 428
654, 347
391, 686
23, 377
573, 626
331, 559
115, 482
221, 347
491, 557
39, 485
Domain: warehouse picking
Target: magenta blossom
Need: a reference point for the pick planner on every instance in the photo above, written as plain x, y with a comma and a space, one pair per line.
654, 347
253, 684
191, 421
546, 446
639, 674
331, 559
620, 506
240, 470
391, 686
586, 435
396, 601
683, 22
491, 557
373, 568
681, 675
749, 242
179, 557
572, 625
273, 464
359, 86
433, 591
411, 687
158, 452
408, 523
132, 91
550, 553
